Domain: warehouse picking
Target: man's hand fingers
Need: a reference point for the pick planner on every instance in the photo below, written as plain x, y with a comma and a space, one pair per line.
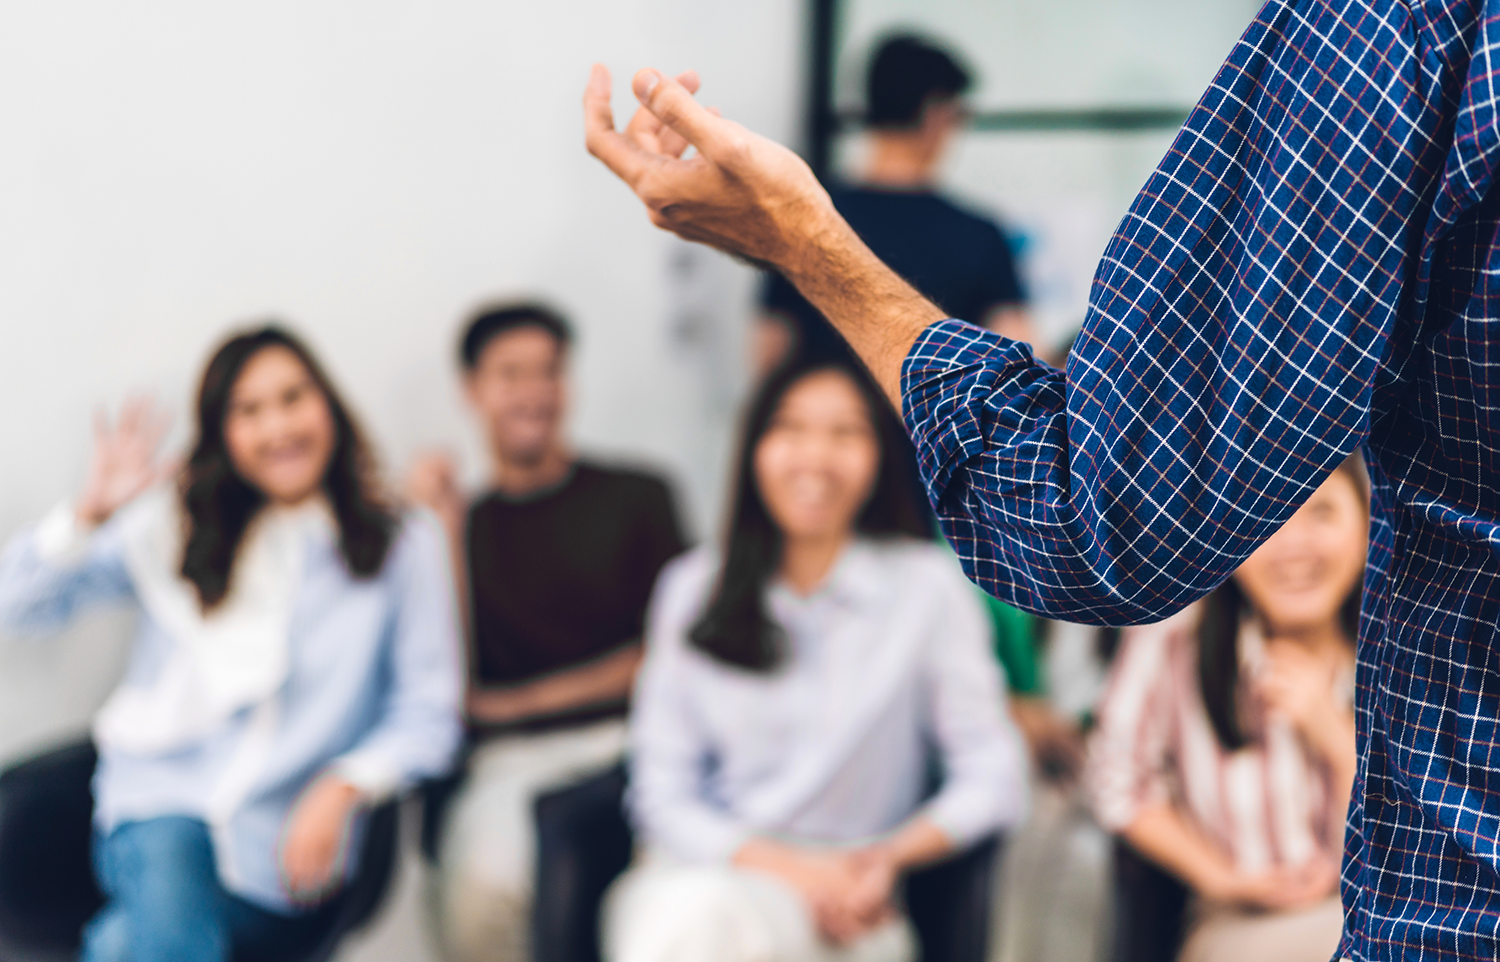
674, 106
647, 132
670, 141
616, 150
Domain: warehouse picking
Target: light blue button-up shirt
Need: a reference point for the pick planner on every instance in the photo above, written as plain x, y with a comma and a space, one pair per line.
372, 688
888, 677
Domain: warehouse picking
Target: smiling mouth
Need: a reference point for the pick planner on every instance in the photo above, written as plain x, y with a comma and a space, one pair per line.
811, 490
298, 452
1300, 575
1299, 587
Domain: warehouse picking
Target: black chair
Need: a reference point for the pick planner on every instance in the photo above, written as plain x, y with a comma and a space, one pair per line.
950, 903
436, 794
47, 889
1150, 909
584, 844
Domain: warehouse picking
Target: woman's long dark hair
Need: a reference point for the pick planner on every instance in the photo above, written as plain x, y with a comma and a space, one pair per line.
1219, 632
220, 504
735, 627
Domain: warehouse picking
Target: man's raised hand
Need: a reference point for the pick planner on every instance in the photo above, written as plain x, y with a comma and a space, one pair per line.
753, 198
650, 133
739, 192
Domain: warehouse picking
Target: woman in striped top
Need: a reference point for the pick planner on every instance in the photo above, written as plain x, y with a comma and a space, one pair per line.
1225, 746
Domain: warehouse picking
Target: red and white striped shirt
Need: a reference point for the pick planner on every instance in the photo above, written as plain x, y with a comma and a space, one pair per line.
1266, 804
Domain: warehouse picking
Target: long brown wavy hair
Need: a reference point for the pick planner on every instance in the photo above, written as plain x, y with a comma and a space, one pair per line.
220, 504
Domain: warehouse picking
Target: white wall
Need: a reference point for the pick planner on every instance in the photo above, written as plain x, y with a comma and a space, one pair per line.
368, 171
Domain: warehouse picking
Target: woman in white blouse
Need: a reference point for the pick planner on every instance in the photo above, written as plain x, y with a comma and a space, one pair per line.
798, 692
296, 658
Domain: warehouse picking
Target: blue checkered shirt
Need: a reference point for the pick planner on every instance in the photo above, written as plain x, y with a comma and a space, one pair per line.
1311, 269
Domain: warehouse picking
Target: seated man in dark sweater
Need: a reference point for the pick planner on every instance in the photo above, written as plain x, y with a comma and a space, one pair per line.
560, 556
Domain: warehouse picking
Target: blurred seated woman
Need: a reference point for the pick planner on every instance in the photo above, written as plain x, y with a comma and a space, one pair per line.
1225, 745
296, 657
798, 693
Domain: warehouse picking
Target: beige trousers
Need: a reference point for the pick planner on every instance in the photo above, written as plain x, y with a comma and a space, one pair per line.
481, 896
1219, 934
661, 911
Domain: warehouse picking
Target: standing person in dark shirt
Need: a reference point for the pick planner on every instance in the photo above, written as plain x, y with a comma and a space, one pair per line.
561, 555
958, 259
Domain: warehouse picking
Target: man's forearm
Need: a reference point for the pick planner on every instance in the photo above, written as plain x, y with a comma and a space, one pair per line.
876, 311
754, 198
599, 682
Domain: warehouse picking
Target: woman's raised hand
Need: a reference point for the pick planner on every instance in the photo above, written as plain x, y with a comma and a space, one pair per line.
1299, 685
433, 483
125, 461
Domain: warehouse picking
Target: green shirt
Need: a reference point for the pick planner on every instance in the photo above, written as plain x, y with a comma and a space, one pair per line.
1015, 646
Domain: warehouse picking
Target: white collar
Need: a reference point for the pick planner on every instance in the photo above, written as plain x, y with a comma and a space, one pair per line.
220, 661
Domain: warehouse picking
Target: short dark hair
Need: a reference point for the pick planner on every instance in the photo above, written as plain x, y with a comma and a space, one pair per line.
489, 322
906, 73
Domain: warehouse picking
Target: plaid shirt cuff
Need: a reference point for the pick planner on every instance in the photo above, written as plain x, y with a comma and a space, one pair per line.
955, 378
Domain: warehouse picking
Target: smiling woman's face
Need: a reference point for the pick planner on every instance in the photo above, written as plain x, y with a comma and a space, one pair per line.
278, 428
1300, 577
816, 465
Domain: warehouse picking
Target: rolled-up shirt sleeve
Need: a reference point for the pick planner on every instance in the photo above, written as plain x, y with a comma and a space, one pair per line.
1229, 356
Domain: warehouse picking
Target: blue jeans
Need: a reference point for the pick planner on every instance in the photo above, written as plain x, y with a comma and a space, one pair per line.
165, 903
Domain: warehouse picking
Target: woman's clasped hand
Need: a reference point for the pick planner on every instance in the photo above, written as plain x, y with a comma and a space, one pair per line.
848, 891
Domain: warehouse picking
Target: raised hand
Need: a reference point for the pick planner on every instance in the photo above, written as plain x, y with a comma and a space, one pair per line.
740, 192
125, 461
433, 483
753, 198
1302, 687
